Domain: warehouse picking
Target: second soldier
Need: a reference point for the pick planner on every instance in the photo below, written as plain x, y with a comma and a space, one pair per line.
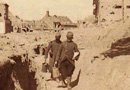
52, 50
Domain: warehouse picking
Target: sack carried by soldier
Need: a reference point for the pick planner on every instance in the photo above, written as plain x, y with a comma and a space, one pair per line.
55, 72
44, 67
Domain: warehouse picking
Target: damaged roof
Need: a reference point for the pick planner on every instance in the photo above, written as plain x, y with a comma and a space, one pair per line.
50, 20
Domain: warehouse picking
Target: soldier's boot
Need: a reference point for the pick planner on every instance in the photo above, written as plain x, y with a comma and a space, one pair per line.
63, 84
68, 83
57, 80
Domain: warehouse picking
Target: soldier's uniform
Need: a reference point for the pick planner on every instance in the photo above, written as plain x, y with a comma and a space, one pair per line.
64, 57
53, 47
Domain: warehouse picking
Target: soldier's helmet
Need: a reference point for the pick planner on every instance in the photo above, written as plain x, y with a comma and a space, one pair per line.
69, 35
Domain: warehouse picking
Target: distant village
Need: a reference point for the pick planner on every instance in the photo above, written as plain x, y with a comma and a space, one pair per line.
104, 12
11, 23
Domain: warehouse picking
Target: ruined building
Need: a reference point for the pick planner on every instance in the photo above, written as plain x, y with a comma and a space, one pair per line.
57, 22
51, 22
111, 10
5, 23
11, 23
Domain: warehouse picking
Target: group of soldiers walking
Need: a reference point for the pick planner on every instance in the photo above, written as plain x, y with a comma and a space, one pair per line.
63, 56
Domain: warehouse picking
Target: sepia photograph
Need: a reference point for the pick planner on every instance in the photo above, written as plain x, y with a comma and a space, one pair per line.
64, 44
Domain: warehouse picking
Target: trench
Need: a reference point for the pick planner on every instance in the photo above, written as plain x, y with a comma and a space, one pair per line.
22, 74
6, 83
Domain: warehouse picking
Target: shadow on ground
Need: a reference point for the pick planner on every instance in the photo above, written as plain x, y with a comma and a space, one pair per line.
74, 83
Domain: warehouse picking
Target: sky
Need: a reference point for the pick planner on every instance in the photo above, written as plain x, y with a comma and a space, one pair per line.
36, 9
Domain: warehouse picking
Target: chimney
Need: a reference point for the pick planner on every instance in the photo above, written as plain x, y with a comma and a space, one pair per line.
47, 14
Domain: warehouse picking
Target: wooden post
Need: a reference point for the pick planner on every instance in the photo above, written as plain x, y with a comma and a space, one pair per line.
123, 12
99, 10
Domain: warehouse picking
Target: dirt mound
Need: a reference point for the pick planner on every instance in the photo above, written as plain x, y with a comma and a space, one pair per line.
18, 53
111, 74
120, 47
107, 73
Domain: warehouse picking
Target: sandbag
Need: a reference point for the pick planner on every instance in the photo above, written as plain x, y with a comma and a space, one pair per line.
44, 67
55, 72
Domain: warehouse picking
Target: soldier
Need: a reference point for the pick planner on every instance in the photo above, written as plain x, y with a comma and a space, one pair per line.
53, 48
66, 58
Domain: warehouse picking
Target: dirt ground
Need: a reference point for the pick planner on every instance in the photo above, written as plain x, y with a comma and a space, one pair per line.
22, 55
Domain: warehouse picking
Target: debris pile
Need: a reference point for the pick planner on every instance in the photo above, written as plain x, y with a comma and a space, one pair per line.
19, 67
120, 47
